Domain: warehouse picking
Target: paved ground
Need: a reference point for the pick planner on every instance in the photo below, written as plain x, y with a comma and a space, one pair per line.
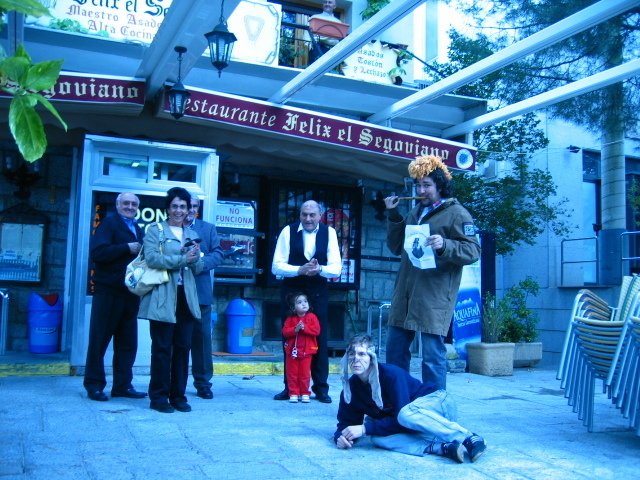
50, 430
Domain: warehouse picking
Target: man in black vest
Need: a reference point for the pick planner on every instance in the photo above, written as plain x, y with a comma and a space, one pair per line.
306, 255
114, 310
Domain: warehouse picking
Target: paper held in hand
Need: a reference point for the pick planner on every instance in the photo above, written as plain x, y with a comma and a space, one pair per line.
415, 244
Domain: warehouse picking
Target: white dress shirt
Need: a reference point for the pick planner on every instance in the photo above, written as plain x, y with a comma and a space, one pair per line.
281, 267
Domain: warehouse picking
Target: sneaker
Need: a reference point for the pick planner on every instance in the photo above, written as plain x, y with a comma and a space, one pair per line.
454, 451
475, 446
293, 399
305, 399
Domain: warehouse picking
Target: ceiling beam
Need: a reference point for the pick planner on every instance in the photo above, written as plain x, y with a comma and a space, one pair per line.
580, 21
185, 25
594, 82
389, 15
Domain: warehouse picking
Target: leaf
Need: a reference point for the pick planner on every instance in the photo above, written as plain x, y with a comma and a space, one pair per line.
28, 7
16, 68
22, 52
50, 107
43, 75
27, 128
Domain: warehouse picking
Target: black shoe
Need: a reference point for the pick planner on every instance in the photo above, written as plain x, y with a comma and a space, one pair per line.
454, 451
475, 446
163, 407
129, 393
323, 398
98, 396
205, 392
180, 404
283, 395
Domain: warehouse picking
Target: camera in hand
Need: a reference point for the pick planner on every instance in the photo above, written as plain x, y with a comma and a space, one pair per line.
192, 243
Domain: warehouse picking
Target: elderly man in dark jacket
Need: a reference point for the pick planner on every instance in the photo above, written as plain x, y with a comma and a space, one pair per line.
436, 239
114, 310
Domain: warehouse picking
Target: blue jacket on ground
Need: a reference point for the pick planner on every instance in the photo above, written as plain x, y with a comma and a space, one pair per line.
398, 389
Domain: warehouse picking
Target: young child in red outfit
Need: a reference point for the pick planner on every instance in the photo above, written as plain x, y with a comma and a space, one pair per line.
300, 329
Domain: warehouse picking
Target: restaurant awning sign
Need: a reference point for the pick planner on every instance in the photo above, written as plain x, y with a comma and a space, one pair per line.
307, 124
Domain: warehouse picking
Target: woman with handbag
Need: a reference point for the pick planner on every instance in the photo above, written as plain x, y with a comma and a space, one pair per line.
171, 307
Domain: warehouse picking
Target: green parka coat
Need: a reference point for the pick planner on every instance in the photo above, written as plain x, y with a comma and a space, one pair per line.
160, 303
424, 300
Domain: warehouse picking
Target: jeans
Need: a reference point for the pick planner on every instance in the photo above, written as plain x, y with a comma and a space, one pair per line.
432, 417
434, 354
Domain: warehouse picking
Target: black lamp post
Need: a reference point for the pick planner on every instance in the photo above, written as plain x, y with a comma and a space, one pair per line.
178, 94
220, 43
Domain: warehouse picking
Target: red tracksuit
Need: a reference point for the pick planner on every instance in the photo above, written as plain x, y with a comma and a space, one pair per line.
306, 344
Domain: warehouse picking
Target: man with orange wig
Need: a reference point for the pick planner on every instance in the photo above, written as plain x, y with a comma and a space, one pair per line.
436, 239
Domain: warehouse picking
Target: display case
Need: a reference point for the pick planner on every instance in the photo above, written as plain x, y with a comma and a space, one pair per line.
342, 208
21, 244
236, 226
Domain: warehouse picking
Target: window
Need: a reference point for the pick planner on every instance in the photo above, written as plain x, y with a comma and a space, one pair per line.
342, 210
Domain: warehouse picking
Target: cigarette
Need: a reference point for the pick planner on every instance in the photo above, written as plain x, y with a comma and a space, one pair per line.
411, 198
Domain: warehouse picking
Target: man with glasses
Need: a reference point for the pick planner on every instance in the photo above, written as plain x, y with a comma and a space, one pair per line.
114, 310
201, 364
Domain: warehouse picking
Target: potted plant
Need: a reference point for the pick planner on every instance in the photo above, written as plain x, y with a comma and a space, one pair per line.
520, 323
491, 357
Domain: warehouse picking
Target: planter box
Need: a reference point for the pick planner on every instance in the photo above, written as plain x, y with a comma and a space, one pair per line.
327, 28
527, 354
490, 359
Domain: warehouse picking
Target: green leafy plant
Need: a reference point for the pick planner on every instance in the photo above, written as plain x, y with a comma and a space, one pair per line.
633, 197
492, 319
509, 319
520, 323
396, 72
373, 7
23, 80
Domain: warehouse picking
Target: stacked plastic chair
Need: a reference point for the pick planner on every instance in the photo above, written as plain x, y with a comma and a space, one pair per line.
625, 381
591, 349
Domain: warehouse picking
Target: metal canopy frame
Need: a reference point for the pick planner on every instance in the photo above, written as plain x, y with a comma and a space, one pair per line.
183, 27
450, 116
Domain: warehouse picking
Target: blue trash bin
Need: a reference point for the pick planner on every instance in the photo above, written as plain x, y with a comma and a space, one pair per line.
240, 322
44, 317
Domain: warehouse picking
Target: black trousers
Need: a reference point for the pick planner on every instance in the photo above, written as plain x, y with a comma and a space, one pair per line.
170, 345
113, 315
201, 358
319, 302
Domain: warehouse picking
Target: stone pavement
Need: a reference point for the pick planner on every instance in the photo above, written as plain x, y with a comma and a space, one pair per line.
50, 430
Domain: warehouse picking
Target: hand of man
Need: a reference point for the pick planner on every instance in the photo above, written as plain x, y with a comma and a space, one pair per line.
352, 432
391, 202
134, 247
343, 443
436, 241
309, 269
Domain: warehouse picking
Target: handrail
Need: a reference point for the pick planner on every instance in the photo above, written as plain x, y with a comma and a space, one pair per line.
298, 26
622, 257
563, 262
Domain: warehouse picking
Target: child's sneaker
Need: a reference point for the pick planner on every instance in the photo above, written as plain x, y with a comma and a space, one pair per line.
293, 399
305, 399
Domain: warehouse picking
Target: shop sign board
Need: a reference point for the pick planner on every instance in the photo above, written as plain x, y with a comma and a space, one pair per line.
82, 88
235, 215
371, 63
255, 23
271, 117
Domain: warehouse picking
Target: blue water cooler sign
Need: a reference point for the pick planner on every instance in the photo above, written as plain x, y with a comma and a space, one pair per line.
467, 317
